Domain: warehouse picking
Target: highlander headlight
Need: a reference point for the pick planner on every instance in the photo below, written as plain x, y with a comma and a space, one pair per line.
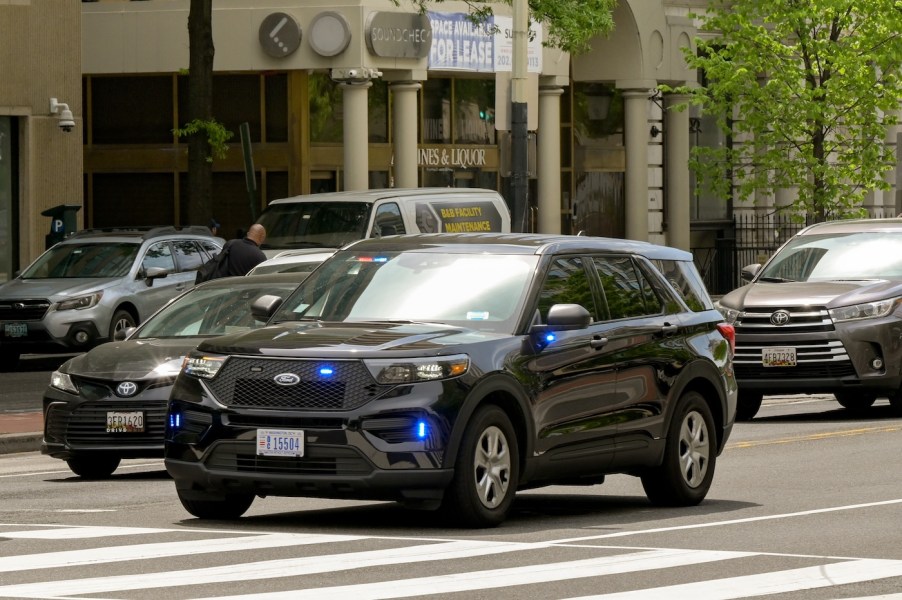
417, 370
868, 310
62, 381
729, 314
81, 302
202, 365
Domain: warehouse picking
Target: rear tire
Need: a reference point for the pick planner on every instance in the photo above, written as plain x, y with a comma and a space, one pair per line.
486, 471
690, 454
94, 467
225, 507
855, 402
747, 405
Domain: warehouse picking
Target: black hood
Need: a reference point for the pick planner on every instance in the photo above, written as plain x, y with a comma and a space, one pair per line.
347, 339
132, 359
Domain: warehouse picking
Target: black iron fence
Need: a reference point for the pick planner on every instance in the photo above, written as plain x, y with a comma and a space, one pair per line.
752, 240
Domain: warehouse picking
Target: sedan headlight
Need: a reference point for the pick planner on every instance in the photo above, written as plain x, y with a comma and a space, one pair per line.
868, 310
62, 381
81, 302
202, 365
417, 370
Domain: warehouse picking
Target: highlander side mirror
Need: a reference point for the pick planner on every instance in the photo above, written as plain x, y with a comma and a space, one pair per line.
265, 307
748, 272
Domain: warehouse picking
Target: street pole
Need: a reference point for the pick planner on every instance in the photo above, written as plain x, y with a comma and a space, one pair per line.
519, 134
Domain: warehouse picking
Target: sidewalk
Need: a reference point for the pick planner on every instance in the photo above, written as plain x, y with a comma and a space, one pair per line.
21, 432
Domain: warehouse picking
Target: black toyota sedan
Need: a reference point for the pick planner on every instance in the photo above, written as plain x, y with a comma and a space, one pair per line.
447, 371
110, 403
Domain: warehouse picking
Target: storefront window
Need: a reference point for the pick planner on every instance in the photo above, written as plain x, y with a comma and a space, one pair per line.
436, 100
474, 111
118, 99
326, 109
377, 99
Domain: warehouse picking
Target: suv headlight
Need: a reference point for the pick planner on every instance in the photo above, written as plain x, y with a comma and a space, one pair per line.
204, 366
868, 310
417, 370
62, 381
81, 302
729, 314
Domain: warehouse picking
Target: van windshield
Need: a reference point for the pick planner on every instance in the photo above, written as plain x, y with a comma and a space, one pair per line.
314, 224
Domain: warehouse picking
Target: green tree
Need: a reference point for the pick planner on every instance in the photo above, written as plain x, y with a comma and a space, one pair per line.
807, 89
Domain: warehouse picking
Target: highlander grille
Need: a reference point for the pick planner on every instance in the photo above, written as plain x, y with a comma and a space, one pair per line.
801, 319
87, 424
815, 359
251, 383
23, 310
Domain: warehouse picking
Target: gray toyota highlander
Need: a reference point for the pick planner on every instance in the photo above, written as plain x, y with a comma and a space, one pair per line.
823, 315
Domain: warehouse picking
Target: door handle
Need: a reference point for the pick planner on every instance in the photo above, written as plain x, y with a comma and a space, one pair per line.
597, 342
668, 329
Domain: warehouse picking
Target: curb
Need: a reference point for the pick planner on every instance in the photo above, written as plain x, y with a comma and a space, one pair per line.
11, 443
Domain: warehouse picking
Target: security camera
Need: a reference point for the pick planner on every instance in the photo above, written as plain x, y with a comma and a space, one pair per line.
66, 120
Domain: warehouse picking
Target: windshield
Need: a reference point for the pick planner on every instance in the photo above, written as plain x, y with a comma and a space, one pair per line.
478, 291
831, 257
314, 224
211, 311
84, 260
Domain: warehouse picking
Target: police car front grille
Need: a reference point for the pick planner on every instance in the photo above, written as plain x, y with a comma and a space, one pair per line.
251, 383
23, 310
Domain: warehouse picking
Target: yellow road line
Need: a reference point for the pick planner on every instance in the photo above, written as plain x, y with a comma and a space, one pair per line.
816, 436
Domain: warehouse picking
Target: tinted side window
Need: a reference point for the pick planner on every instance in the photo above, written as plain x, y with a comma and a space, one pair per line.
159, 255
627, 291
566, 283
188, 254
388, 220
685, 280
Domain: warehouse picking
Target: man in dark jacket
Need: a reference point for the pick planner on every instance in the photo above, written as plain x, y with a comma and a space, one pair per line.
245, 254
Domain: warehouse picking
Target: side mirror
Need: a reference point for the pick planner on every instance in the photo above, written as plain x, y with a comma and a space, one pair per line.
123, 334
154, 273
748, 272
265, 307
561, 317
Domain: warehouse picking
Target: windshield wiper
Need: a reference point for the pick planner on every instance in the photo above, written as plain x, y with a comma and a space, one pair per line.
776, 279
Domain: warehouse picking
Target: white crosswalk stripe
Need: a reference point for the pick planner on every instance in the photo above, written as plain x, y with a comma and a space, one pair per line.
335, 554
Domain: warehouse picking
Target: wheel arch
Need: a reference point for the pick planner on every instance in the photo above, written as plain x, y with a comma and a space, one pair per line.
704, 378
128, 307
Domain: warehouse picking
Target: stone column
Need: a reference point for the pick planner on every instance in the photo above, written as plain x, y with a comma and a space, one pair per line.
676, 167
404, 133
635, 106
356, 135
548, 154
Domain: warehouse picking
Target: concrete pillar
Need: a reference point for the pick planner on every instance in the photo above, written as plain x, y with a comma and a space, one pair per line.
548, 154
356, 135
676, 165
404, 133
635, 107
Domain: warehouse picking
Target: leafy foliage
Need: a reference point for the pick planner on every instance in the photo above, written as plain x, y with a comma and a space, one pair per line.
216, 133
807, 89
571, 24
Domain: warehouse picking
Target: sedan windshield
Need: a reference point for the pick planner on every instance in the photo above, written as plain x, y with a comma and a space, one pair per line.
210, 311
478, 291
831, 257
84, 260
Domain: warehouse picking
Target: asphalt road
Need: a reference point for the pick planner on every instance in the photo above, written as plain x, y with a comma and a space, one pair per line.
806, 505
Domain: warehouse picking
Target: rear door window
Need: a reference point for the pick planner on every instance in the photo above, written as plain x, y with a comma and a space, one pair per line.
627, 290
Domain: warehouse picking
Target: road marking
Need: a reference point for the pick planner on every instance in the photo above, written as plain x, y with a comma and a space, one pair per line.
803, 513
815, 436
76, 533
763, 584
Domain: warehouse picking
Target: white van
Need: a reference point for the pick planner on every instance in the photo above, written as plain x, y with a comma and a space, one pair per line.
334, 219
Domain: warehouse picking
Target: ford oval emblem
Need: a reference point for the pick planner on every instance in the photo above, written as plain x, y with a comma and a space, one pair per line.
287, 379
126, 389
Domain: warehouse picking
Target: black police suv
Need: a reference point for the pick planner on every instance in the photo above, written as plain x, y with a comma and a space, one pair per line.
447, 371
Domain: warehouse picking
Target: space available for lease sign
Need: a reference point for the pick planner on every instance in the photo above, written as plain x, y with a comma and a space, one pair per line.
458, 44
457, 217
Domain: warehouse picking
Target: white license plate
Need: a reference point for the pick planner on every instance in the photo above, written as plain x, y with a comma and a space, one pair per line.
778, 356
125, 422
15, 330
280, 442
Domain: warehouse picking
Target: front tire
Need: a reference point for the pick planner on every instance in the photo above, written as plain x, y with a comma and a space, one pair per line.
747, 405
690, 453
486, 471
225, 507
122, 320
855, 402
94, 467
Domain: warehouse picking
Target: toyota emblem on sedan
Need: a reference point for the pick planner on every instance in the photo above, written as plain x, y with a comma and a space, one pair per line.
780, 317
126, 389
287, 379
